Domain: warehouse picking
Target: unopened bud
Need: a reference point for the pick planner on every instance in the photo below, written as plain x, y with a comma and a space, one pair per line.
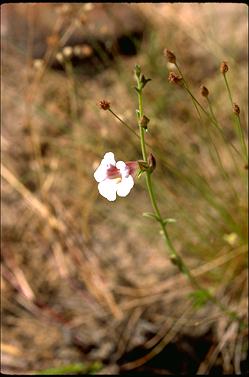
204, 91
174, 78
151, 162
236, 109
223, 67
144, 122
170, 56
137, 71
105, 105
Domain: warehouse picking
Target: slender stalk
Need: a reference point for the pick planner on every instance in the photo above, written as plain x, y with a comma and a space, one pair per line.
221, 166
230, 152
124, 123
211, 109
242, 139
237, 121
187, 87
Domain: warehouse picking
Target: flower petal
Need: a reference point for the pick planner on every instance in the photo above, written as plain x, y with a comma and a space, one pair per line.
100, 173
108, 189
109, 159
123, 168
125, 186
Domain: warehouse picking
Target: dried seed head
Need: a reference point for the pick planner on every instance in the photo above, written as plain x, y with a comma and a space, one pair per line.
204, 91
223, 67
77, 51
52, 40
151, 162
38, 64
87, 50
174, 78
59, 57
105, 105
67, 52
170, 56
236, 109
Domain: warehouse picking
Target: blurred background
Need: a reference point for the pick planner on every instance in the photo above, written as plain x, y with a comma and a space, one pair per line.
87, 285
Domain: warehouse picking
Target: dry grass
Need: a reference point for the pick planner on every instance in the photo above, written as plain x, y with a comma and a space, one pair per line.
84, 279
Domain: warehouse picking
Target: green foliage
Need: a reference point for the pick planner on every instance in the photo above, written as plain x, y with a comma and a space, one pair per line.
76, 368
199, 298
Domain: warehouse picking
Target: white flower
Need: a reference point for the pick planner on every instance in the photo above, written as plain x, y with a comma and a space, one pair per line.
115, 178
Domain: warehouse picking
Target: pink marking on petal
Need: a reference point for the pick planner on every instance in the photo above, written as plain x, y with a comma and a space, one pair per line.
113, 172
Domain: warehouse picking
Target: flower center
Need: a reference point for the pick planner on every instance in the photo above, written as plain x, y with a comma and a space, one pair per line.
114, 173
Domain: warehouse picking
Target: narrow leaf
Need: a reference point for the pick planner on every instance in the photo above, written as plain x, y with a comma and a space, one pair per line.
150, 215
169, 221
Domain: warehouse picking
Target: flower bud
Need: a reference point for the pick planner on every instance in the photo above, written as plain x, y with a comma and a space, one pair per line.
174, 78
137, 71
144, 122
170, 56
105, 105
236, 109
204, 91
224, 67
151, 162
